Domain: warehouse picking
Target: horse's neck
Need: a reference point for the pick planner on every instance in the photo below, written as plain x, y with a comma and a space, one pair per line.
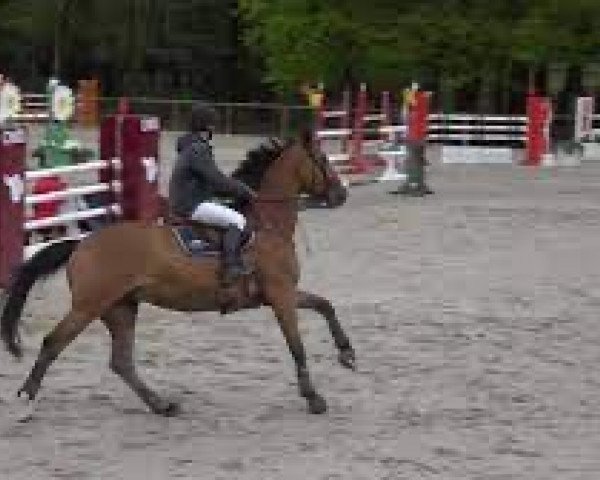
277, 211
279, 179
278, 218
279, 189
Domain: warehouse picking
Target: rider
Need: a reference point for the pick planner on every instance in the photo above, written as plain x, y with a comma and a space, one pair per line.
196, 180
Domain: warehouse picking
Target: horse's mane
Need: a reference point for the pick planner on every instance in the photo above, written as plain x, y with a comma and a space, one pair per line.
258, 160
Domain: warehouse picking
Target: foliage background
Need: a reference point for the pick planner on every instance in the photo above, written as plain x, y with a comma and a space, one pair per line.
474, 52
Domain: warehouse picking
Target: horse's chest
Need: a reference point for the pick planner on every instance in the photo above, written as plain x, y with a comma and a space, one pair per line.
277, 266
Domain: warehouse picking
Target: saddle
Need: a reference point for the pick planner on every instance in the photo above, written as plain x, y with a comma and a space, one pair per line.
199, 241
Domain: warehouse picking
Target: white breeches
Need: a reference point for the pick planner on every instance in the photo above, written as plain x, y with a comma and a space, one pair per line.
218, 215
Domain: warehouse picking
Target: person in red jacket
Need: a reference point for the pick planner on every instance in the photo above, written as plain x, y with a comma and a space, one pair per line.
50, 208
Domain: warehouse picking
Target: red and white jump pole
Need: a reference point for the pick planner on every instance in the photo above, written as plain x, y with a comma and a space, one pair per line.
128, 176
532, 130
360, 162
357, 162
325, 115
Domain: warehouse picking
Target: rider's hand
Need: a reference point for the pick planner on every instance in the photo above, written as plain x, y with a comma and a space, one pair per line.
252, 195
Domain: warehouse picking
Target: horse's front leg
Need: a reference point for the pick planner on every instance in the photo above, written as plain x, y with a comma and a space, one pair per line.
283, 301
312, 301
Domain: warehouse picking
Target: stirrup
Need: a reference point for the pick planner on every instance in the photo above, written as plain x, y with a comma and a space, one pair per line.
235, 272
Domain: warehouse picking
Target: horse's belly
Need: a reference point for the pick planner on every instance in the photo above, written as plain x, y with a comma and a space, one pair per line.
184, 287
183, 299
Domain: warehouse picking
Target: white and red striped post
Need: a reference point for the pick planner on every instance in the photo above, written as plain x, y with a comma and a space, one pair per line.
12, 192
358, 164
386, 117
346, 118
323, 113
135, 140
320, 117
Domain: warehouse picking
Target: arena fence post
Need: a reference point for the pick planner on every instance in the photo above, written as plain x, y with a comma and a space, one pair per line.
12, 200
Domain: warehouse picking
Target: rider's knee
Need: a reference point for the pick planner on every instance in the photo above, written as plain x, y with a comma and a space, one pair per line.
239, 221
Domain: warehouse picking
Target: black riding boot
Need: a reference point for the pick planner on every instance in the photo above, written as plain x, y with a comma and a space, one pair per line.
234, 267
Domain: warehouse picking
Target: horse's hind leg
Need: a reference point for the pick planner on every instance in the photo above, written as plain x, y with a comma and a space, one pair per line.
312, 301
120, 321
54, 343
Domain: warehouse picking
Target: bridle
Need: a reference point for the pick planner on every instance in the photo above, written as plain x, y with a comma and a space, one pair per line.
319, 162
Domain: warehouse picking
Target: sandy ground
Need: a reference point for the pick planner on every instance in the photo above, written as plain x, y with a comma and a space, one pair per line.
474, 313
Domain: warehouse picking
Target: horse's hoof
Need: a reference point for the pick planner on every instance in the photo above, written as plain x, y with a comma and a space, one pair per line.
173, 409
26, 407
167, 409
317, 404
347, 357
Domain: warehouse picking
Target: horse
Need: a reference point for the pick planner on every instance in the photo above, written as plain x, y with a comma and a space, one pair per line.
114, 270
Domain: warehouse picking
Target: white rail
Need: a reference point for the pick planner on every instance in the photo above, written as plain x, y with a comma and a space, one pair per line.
375, 117
463, 117
67, 169
338, 157
72, 192
374, 142
443, 126
482, 128
27, 117
334, 133
481, 137
393, 128
347, 132
72, 217
334, 113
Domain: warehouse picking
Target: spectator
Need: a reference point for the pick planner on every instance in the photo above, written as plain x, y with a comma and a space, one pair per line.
50, 208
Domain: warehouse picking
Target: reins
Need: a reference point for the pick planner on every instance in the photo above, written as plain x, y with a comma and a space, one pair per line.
271, 198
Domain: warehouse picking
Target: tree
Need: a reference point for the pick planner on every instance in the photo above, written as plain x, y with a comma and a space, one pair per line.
463, 44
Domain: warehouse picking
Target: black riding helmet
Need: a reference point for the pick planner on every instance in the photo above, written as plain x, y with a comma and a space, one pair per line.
203, 117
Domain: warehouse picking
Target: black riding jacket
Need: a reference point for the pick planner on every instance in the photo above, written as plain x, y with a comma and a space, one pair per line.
196, 177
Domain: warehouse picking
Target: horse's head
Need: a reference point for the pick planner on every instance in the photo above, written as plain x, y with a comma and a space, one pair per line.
290, 168
317, 177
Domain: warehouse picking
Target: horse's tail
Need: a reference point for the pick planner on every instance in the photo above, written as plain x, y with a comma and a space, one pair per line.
44, 262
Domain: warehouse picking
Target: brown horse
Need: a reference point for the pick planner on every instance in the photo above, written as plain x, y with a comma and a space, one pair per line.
115, 269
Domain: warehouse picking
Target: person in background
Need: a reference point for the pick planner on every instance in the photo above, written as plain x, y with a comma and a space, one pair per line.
49, 208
